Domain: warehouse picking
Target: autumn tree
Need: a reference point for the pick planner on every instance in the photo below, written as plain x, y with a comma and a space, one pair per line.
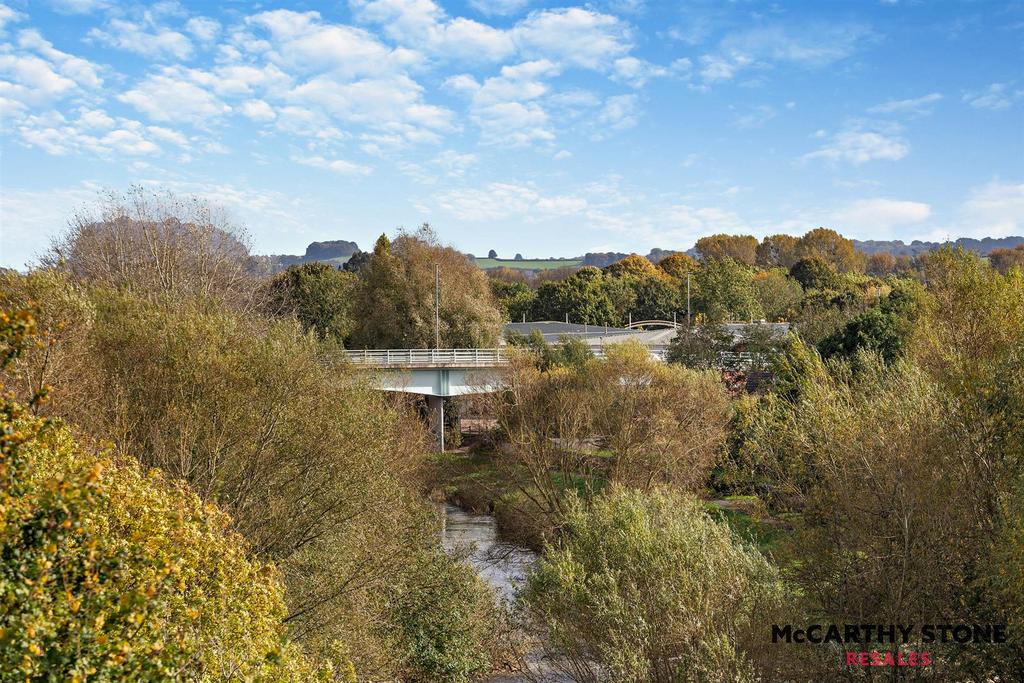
114, 573
831, 247
395, 299
742, 248
634, 265
1004, 259
777, 251
677, 265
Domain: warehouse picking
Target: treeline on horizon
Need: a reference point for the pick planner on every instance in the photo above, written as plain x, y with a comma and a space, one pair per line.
192, 492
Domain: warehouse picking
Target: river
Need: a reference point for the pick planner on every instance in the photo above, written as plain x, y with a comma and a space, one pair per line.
502, 565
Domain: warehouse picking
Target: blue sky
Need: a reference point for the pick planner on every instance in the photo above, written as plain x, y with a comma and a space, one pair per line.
516, 125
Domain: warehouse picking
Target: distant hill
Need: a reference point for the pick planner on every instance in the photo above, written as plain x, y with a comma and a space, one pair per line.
336, 252
981, 247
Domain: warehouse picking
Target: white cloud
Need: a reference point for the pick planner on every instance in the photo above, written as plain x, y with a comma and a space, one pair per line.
172, 95
204, 29
79, 6
258, 110
424, 25
918, 105
335, 165
875, 218
155, 42
619, 113
995, 97
498, 7
859, 145
574, 36
9, 16
496, 201
505, 107
42, 78
807, 46
756, 116
995, 209
300, 42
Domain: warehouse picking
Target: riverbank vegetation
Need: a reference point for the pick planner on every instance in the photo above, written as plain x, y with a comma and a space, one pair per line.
193, 492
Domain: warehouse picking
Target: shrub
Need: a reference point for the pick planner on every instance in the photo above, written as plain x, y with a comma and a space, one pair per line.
109, 573
647, 587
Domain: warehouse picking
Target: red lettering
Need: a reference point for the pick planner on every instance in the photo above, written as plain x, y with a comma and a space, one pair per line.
851, 658
926, 658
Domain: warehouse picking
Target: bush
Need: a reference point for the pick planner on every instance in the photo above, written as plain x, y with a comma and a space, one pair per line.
647, 587
109, 573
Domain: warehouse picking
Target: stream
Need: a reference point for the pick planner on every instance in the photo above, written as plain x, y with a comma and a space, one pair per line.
502, 565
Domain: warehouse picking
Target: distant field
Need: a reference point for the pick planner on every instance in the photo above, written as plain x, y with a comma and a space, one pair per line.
528, 264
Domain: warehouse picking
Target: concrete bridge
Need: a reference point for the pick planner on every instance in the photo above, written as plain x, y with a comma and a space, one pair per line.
436, 374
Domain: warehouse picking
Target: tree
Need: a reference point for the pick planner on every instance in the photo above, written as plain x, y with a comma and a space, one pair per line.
677, 265
518, 257
881, 263
656, 298
394, 301
159, 245
885, 329
356, 262
814, 273
724, 291
778, 295
831, 247
319, 295
634, 265
586, 296
647, 587
777, 251
1004, 259
742, 248
492, 254
700, 347
515, 299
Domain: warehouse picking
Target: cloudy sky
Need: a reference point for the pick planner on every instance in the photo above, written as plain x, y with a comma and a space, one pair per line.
514, 125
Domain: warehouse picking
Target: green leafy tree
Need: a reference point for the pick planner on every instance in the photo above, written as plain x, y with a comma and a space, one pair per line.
656, 298
515, 299
700, 347
587, 296
885, 329
778, 295
319, 295
725, 291
814, 273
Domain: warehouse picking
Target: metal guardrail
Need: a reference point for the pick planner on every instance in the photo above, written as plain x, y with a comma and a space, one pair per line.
427, 358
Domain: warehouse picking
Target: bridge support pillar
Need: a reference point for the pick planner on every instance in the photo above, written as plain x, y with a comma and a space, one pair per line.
435, 410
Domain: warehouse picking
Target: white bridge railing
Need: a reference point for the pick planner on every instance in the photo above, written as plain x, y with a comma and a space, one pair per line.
427, 358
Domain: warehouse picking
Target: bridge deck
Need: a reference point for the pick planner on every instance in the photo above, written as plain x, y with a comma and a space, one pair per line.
428, 358
450, 358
